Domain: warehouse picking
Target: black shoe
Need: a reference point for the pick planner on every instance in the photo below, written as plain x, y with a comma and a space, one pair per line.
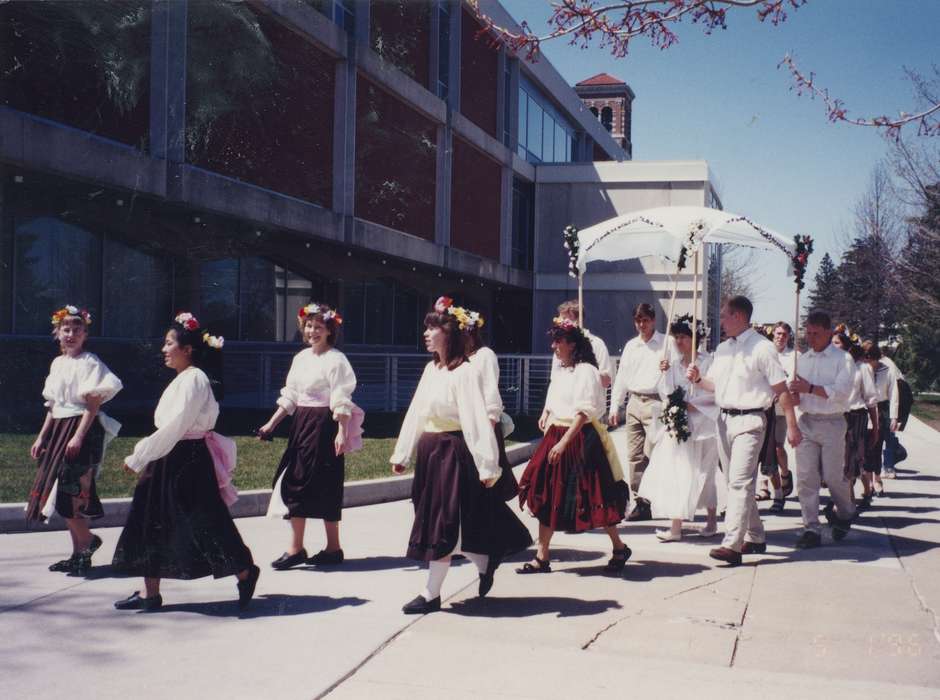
726, 554
420, 606
135, 602
641, 511
786, 482
753, 548
246, 588
81, 563
66, 565
778, 505
618, 560
486, 578
324, 558
840, 528
94, 545
808, 540
286, 561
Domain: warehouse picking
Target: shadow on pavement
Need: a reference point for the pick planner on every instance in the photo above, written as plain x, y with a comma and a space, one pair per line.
528, 607
381, 563
642, 571
273, 605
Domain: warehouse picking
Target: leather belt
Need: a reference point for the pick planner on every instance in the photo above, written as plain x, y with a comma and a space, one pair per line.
742, 411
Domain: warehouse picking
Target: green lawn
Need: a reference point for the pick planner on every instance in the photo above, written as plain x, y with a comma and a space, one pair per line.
927, 408
256, 464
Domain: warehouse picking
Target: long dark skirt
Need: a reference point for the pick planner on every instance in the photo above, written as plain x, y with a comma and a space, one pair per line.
507, 487
856, 439
179, 526
312, 486
452, 505
579, 492
769, 465
873, 461
76, 495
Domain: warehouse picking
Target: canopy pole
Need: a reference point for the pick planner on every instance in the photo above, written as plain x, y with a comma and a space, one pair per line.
796, 331
672, 308
694, 315
580, 301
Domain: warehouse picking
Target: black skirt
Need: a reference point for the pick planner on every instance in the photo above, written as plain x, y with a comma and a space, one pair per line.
856, 442
76, 495
312, 486
179, 526
452, 505
507, 487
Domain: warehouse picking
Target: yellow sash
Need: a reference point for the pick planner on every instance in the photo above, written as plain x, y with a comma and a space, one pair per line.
435, 424
616, 469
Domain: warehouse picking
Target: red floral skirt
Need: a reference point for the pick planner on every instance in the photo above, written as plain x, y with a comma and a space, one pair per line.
579, 492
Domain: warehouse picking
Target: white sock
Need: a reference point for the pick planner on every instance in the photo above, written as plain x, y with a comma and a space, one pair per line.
481, 560
437, 572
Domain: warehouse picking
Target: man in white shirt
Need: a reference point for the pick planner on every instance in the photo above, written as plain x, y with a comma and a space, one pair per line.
745, 375
822, 388
639, 376
572, 311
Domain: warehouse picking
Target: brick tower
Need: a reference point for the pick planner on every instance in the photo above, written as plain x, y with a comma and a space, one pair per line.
611, 101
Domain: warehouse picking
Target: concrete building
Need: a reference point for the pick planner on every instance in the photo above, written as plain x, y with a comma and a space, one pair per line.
239, 159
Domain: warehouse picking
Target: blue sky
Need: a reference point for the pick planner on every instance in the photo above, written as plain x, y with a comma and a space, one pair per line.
775, 156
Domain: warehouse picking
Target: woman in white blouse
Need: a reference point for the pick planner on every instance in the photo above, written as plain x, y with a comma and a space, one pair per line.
886, 390
484, 360
863, 406
179, 525
326, 424
70, 446
574, 481
681, 474
448, 431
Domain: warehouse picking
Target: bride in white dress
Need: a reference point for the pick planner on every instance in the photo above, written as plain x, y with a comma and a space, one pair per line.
681, 476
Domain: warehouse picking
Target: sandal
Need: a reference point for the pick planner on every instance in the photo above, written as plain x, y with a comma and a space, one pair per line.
618, 560
763, 495
541, 566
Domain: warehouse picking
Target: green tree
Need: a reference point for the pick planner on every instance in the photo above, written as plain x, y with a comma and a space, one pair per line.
826, 294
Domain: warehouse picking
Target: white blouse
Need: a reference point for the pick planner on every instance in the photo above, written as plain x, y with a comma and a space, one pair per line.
72, 379
886, 388
575, 390
701, 421
863, 393
601, 354
186, 406
319, 380
450, 397
485, 362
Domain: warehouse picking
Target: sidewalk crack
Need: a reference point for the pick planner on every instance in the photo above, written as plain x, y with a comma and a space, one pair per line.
738, 637
921, 600
586, 645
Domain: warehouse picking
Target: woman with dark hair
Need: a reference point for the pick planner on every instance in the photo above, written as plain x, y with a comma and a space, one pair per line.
886, 391
71, 443
574, 481
326, 426
179, 525
457, 464
681, 474
862, 407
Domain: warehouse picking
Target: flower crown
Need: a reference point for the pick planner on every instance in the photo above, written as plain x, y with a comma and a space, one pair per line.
701, 330
69, 310
564, 323
475, 319
191, 323
313, 309
849, 333
443, 304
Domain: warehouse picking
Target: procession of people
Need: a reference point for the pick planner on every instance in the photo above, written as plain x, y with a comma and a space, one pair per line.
700, 427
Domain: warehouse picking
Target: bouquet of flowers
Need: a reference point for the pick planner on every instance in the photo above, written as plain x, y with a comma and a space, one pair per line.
572, 245
804, 246
675, 416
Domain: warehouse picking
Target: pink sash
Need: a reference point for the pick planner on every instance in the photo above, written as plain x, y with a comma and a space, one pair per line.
354, 430
223, 451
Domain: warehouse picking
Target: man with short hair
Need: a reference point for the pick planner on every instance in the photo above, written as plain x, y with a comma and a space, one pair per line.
639, 375
822, 387
571, 310
745, 375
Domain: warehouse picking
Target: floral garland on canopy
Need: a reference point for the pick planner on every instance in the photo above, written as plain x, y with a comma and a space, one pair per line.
675, 416
573, 246
804, 247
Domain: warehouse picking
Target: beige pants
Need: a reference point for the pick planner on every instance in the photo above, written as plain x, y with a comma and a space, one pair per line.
822, 454
739, 443
640, 410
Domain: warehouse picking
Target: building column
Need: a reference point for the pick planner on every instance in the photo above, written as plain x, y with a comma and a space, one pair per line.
168, 85
453, 90
443, 177
505, 218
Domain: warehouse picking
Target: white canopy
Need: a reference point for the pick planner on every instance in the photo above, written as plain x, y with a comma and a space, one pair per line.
663, 231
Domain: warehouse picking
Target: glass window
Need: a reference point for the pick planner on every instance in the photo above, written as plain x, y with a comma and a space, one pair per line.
548, 138
151, 279
534, 141
218, 296
607, 118
378, 316
443, 50
258, 292
56, 263
507, 104
523, 223
344, 14
561, 139
407, 310
293, 292
523, 121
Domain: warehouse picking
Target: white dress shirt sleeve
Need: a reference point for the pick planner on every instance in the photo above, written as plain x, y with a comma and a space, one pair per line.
98, 381
869, 392
412, 426
602, 356
841, 388
586, 390
488, 368
186, 396
475, 424
289, 394
768, 361
619, 393
342, 385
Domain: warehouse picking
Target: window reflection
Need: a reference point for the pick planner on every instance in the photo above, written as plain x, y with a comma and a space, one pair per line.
147, 279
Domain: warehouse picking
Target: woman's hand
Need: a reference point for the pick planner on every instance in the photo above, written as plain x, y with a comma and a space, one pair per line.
128, 470
73, 447
873, 436
36, 450
664, 365
264, 432
339, 444
398, 469
554, 454
894, 426
692, 374
489, 483
543, 422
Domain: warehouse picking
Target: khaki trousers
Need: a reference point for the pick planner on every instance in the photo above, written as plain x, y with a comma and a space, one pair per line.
821, 456
739, 444
640, 411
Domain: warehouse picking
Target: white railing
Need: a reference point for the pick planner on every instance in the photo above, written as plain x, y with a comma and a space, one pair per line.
386, 381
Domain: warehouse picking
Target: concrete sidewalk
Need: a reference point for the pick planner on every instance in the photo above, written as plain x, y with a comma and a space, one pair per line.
857, 618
